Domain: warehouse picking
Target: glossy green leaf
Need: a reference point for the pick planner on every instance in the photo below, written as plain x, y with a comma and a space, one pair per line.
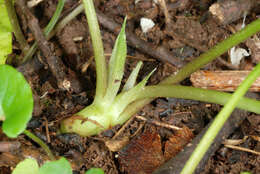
5, 33
27, 166
95, 171
16, 101
56, 167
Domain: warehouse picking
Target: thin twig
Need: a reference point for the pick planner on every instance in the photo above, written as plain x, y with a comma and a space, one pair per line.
47, 130
157, 123
165, 11
123, 127
9, 146
242, 149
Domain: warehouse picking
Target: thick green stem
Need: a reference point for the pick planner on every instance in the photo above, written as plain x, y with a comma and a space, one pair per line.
101, 68
192, 93
47, 29
15, 26
41, 143
185, 92
219, 121
196, 64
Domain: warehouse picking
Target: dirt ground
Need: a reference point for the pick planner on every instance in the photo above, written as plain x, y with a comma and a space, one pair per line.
185, 29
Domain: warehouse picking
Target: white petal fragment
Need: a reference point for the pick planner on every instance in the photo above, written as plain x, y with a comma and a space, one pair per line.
146, 24
236, 54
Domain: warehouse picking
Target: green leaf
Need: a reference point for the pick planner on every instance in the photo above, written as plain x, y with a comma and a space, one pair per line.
5, 45
95, 171
125, 98
27, 166
61, 166
116, 65
132, 78
5, 24
16, 101
5, 33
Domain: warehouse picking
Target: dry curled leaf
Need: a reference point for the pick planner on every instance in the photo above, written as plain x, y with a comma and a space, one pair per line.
143, 154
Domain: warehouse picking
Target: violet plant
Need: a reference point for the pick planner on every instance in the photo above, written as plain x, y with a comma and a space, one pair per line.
110, 107
30, 166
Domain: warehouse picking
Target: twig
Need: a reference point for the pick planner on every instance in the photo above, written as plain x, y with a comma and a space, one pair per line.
165, 10
9, 146
242, 149
123, 127
47, 130
160, 52
55, 64
157, 123
33, 3
86, 65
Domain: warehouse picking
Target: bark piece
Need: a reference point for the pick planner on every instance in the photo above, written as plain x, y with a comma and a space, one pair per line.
9, 146
229, 11
222, 80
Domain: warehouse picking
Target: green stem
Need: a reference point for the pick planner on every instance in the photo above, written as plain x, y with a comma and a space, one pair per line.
219, 121
41, 143
185, 92
214, 52
101, 68
47, 29
54, 18
79, 9
197, 63
15, 26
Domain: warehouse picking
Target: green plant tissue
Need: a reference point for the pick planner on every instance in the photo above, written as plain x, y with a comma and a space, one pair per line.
5, 33
27, 166
16, 101
55, 167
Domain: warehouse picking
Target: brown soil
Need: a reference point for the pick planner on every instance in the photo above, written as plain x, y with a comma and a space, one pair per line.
143, 145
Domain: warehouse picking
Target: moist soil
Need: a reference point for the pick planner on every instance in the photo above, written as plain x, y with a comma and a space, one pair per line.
139, 146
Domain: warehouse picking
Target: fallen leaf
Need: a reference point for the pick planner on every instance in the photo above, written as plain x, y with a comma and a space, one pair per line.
177, 142
143, 154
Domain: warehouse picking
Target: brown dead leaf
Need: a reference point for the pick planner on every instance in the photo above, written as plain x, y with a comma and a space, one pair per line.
116, 145
8, 159
143, 154
177, 142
